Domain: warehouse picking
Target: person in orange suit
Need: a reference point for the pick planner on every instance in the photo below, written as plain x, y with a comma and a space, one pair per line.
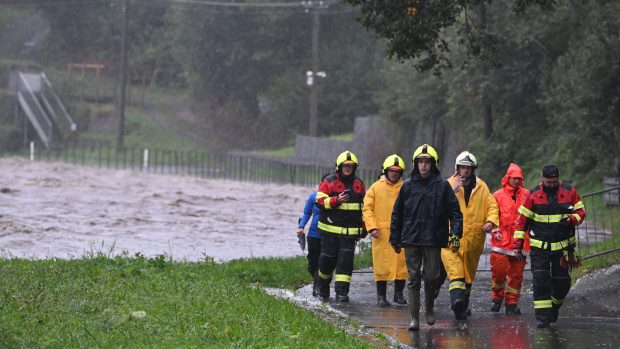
507, 264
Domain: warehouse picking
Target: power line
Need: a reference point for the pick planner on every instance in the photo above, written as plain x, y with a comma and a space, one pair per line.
241, 4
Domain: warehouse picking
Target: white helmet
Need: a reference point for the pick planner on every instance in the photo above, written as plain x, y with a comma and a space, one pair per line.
465, 159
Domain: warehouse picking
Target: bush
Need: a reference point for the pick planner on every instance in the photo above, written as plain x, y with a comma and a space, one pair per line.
10, 138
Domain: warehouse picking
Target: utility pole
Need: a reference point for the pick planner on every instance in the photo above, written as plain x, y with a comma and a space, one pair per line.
487, 108
121, 105
311, 75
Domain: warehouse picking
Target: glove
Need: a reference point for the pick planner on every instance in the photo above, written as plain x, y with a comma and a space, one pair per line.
497, 234
565, 221
517, 244
570, 260
519, 255
455, 242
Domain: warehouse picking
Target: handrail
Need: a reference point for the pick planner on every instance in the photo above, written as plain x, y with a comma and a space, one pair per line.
65, 114
38, 113
601, 191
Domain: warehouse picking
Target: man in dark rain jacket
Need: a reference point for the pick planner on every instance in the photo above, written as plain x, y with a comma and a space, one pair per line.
426, 218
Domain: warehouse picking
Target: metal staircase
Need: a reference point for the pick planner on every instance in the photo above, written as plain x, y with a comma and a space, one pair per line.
43, 108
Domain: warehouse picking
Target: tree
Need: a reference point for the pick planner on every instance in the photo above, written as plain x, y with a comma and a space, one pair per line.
425, 31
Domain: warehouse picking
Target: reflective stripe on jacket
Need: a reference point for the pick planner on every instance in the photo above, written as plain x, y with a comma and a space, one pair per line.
509, 200
542, 217
344, 220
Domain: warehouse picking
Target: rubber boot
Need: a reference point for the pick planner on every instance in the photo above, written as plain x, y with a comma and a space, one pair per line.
324, 290
467, 293
316, 285
555, 312
414, 309
513, 309
497, 304
343, 298
429, 298
399, 286
381, 291
542, 323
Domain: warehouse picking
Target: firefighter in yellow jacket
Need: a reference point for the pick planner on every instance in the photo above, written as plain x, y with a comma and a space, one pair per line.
480, 217
378, 204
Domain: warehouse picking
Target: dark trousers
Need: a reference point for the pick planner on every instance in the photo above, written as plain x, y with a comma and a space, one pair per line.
423, 263
551, 282
336, 253
314, 251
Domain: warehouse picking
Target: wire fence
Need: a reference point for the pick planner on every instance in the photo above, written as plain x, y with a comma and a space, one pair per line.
215, 165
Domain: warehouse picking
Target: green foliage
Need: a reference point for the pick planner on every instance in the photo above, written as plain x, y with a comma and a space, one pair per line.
426, 31
238, 57
551, 98
148, 302
92, 34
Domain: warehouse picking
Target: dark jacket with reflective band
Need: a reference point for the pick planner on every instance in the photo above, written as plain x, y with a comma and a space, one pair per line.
425, 212
543, 217
345, 219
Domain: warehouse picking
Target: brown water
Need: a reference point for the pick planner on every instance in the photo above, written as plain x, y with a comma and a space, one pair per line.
58, 210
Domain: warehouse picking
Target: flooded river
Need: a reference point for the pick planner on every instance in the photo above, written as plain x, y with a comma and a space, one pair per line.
65, 211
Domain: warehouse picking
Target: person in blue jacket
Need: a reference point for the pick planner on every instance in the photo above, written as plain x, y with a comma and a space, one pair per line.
312, 210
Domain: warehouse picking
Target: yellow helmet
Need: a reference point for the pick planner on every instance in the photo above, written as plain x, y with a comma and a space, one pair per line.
465, 159
393, 161
426, 151
346, 157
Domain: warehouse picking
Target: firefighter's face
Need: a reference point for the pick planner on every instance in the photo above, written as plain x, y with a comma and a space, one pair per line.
514, 182
347, 169
551, 182
424, 166
465, 171
394, 175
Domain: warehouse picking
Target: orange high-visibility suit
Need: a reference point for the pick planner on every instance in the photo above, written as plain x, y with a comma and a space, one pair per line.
506, 267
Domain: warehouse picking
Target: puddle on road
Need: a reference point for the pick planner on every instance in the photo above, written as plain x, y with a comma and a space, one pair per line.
484, 329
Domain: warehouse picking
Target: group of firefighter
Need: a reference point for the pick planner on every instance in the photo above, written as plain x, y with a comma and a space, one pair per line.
427, 228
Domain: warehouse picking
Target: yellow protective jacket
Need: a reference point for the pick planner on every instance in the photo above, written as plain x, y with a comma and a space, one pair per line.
378, 204
481, 208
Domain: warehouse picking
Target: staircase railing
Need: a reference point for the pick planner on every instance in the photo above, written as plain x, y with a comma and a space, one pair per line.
56, 109
34, 111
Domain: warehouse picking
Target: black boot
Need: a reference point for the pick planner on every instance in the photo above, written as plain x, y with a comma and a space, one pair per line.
467, 293
381, 291
542, 323
497, 305
324, 289
459, 307
555, 312
414, 309
429, 298
399, 286
316, 285
343, 298
513, 309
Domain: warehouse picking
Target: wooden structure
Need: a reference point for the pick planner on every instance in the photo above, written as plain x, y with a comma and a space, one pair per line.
83, 67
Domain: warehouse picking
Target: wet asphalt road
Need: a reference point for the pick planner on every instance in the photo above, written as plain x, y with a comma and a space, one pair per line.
484, 329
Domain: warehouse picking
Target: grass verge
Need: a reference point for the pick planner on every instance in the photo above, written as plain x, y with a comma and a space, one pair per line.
156, 303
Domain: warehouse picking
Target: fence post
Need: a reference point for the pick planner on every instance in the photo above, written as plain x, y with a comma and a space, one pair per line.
145, 160
31, 151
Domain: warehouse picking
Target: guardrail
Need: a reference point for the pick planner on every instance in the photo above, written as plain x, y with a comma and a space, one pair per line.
600, 232
198, 164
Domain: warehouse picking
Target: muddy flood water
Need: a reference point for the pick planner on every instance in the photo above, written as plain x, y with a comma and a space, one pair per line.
66, 211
